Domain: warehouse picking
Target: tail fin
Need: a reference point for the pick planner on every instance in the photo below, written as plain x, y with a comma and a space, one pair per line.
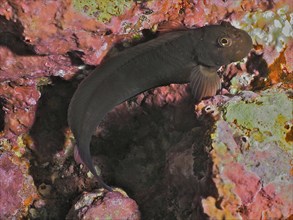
84, 153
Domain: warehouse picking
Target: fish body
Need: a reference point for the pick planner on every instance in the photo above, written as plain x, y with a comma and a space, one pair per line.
176, 57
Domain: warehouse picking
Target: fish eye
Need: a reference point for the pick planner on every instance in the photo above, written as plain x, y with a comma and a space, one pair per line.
224, 42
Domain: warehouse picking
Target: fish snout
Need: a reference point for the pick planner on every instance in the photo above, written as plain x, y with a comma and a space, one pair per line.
243, 45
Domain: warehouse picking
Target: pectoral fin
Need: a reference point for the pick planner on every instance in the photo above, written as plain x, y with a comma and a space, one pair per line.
204, 81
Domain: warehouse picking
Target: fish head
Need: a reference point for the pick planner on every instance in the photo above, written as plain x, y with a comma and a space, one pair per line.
222, 44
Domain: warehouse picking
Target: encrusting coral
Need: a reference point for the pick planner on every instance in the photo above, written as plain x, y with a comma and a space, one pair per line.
249, 134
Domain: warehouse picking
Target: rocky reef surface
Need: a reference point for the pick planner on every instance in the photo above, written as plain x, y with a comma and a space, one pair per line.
226, 157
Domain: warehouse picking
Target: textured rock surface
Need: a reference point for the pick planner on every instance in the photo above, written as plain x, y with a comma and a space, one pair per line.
153, 146
104, 205
252, 156
17, 191
41, 38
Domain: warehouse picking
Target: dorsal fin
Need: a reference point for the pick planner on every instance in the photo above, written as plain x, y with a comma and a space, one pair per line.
226, 24
173, 25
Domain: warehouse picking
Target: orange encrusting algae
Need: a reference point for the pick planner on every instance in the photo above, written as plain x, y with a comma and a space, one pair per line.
278, 71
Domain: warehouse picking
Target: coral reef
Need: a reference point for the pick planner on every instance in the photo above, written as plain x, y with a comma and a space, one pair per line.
62, 35
17, 190
104, 205
102, 10
252, 155
20, 105
162, 145
43, 43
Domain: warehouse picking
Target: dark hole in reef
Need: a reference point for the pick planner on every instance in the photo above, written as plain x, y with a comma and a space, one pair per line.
257, 62
2, 114
51, 118
149, 34
108, 32
137, 145
244, 139
75, 57
218, 203
11, 37
287, 126
48, 135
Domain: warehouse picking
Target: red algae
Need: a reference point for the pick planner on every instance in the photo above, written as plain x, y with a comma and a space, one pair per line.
40, 25
252, 169
54, 29
246, 184
15, 66
17, 190
268, 203
20, 106
105, 205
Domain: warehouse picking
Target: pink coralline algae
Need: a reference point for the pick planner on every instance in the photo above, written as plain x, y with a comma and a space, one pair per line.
41, 39
49, 33
172, 94
252, 156
14, 67
17, 191
104, 205
20, 106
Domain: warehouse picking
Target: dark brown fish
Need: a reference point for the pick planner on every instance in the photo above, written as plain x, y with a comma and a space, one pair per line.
176, 57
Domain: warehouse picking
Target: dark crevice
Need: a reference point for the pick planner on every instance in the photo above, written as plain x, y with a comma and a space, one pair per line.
138, 145
2, 114
256, 62
51, 118
75, 57
11, 36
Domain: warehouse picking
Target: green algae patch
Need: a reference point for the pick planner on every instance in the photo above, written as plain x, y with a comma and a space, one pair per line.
103, 10
265, 117
252, 156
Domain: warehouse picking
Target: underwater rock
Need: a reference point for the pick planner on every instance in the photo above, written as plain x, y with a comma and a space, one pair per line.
252, 156
104, 205
20, 105
17, 190
30, 66
156, 163
40, 39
